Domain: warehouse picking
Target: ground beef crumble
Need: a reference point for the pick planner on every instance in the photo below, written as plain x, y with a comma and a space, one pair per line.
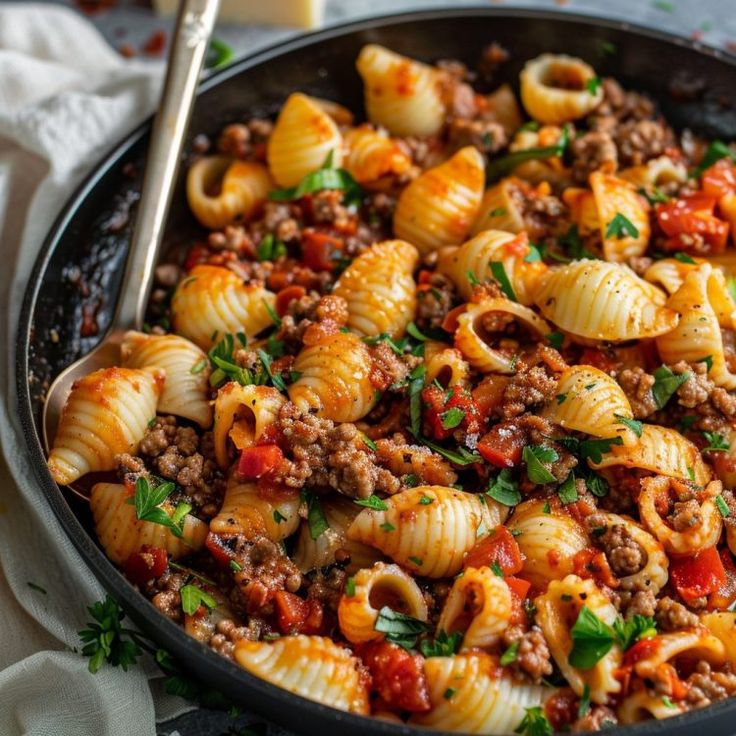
625, 555
534, 383
706, 686
673, 616
434, 302
403, 459
598, 718
533, 655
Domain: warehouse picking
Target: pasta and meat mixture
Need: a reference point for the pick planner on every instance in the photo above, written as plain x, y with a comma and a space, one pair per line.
435, 418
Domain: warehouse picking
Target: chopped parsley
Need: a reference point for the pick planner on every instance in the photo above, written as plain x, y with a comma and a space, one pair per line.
504, 489
452, 418
399, 628
316, 518
278, 517
684, 258
665, 384
198, 367
350, 587
568, 492
270, 248
387, 527
425, 500
533, 255
148, 499
372, 502
721, 505
192, 597
235, 566
369, 443
584, 706
632, 630
449, 694
509, 655
418, 561
708, 360
443, 645
592, 640
534, 723
555, 339
534, 456
716, 442
499, 273
497, 569
634, 425
593, 85
620, 227
715, 152
686, 422
504, 165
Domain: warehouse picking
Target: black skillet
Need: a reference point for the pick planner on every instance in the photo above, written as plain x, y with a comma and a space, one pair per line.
77, 273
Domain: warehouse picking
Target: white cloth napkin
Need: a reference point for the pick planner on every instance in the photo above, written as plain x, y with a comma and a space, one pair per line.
65, 97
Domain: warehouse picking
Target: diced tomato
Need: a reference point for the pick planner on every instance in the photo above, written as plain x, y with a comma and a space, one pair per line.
220, 547
321, 251
398, 677
592, 563
598, 359
438, 402
424, 276
294, 615
488, 394
286, 296
692, 215
197, 254
147, 563
519, 246
449, 323
519, 587
643, 649
722, 598
503, 444
699, 575
499, 547
719, 179
257, 461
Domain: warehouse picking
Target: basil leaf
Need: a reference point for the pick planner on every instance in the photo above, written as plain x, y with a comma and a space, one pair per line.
505, 489
665, 384
534, 456
592, 640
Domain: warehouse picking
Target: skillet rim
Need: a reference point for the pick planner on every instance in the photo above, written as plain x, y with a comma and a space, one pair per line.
132, 602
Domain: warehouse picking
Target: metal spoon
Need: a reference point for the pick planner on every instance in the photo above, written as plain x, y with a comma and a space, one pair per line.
192, 32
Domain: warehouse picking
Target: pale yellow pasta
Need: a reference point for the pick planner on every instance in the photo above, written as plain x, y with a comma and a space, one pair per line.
554, 88
615, 197
382, 585
303, 138
242, 414
656, 172
696, 644
541, 171
334, 378
557, 611
379, 289
698, 332
589, 400
669, 273
445, 365
722, 624
479, 606
585, 298
106, 413
702, 534
249, 511
502, 107
339, 113
212, 301
121, 533
440, 205
472, 260
644, 706
221, 191
313, 667
659, 450
548, 541
489, 351
428, 529
401, 94
653, 575
311, 554
186, 390
480, 700
202, 624
371, 155
499, 208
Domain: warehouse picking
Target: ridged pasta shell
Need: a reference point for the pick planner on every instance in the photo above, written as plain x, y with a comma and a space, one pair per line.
722, 624
614, 196
548, 541
603, 301
382, 585
313, 667
379, 289
698, 333
121, 533
186, 391
645, 706
445, 365
660, 450
479, 605
702, 534
475, 257
303, 137
557, 611
499, 209
655, 172
249, 511
242, 414
212, 301
553, 88
106, 413
591, 402
482, 700
241, 186
401, 94
696, 644
653, 575
669, 273
474, 341
371, 155
311, 554
543, 172
502, 107
335, 378
429, 539
440, 205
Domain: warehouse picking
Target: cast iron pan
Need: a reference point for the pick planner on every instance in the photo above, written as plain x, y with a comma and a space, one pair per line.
76, 276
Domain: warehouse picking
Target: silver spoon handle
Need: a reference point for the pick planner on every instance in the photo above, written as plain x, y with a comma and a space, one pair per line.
193, 29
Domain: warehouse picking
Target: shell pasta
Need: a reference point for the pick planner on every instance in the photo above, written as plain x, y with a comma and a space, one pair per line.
432, 417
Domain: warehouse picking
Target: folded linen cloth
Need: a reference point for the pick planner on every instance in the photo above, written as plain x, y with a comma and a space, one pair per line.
65, 95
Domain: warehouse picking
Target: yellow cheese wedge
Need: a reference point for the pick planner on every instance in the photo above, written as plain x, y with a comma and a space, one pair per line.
298, 13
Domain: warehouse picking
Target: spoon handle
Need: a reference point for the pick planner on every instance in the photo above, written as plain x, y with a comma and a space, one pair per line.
193, 29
